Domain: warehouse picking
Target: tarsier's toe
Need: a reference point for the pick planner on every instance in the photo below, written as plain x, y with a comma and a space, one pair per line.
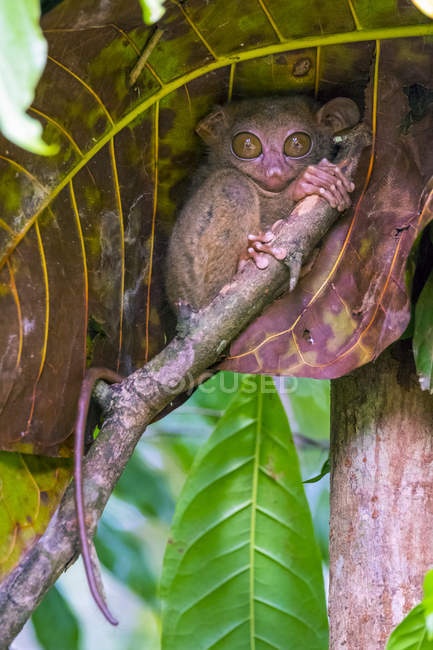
278, 252
260, 259
259, 248
276, 226
264, 237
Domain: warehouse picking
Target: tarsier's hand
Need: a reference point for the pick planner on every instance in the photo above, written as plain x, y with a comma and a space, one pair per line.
324, 179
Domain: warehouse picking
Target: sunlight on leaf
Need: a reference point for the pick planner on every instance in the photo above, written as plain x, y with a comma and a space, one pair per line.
426, 6
427, 603
153, 10
23, 53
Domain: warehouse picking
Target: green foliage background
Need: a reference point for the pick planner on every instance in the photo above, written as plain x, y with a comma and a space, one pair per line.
135, 527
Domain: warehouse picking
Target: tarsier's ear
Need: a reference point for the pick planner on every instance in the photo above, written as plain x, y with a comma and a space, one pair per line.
211, 126
340, 113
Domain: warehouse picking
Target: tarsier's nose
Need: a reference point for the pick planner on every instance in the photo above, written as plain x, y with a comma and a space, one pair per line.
273, 167
274, 170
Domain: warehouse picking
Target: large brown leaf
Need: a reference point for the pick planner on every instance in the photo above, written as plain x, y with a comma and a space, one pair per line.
354, 302
83, 234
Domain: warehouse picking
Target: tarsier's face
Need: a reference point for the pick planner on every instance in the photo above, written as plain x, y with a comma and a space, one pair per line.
273, 140
272, 158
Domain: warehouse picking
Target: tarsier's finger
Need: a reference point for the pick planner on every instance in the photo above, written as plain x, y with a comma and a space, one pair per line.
322, 180
345, 198
321, 177
260, 260
308, 189
329, 196
337, 171
340, 195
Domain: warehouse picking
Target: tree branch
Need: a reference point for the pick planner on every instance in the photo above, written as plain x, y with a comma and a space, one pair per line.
131, 405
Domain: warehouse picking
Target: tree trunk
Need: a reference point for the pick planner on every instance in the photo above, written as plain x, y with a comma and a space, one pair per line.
381, 529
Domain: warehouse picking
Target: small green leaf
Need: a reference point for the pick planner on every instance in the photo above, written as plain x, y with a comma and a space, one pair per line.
423, 336
23, 53
242, 568
415, 632
152, 10
411, 633
326, 468
427, 603
54, 615
429, 626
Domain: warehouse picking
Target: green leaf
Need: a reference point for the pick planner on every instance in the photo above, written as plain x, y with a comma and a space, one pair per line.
242, 568
154, 497
321, 514
309, 399
415, 632
411, 634
423, 336
326, 468
54, 615
30, 490
23, 53
427, 603
127, 557
152, 10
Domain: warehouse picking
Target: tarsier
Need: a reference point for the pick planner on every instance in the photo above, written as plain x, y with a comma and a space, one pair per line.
264, 156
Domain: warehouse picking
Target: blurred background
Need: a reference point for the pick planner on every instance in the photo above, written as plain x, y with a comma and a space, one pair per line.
134, 529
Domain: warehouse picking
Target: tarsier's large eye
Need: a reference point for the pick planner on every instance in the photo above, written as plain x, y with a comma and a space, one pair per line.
246, 145
297, 144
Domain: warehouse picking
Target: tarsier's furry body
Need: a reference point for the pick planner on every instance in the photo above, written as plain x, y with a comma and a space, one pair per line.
264, 155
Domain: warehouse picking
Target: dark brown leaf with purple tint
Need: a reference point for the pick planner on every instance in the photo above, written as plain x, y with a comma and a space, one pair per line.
354, 301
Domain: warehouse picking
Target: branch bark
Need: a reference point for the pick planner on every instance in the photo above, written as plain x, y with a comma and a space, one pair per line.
131, 405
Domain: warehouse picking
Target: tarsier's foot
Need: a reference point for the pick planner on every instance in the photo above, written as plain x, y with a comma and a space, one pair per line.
327, 180
259, 248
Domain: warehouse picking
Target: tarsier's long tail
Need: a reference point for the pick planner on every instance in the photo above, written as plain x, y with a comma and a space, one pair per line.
91, 377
